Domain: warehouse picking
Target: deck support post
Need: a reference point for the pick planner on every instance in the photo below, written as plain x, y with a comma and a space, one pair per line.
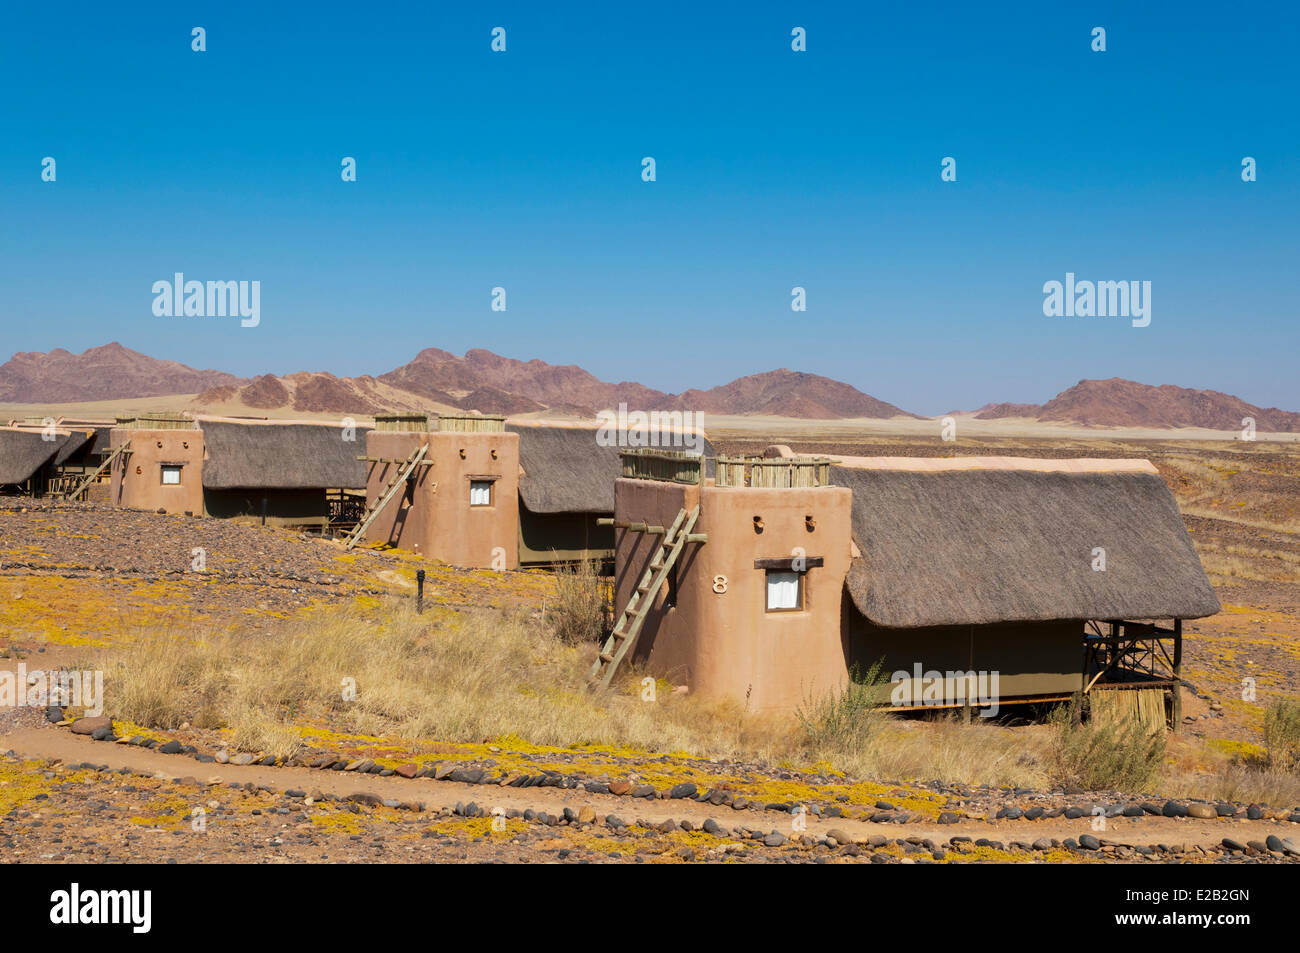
1176, 709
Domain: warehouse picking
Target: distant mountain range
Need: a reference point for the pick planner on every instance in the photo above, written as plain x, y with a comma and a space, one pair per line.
438, 380
1120, 403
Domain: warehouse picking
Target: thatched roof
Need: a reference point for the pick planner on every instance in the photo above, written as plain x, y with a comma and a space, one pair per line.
77, 439
565, 470
975, 546
265, 454
23, 452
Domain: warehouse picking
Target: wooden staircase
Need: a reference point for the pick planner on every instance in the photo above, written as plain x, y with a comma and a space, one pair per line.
633, 617
108, 462
391, 488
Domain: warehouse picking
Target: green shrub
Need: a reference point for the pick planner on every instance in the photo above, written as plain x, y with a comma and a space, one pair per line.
843, 721
1100, 757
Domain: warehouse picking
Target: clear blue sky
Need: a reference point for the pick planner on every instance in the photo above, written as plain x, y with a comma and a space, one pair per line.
775, 169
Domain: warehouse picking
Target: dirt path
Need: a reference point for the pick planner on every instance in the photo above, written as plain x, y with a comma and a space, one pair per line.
48, 742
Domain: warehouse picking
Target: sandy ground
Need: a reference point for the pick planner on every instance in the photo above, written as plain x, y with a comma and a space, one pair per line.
201, 784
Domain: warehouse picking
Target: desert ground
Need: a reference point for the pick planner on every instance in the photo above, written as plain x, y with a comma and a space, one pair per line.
286, 703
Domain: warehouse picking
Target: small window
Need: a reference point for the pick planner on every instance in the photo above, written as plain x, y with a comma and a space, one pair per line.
784, 590
480, 492
171, 476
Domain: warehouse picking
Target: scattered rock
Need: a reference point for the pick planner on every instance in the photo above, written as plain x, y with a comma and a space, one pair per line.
86, 726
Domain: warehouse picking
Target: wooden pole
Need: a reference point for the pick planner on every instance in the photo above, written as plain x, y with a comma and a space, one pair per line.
1177, 707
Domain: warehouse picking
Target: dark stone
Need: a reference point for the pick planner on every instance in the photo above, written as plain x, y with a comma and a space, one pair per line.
1133, 810
948, 817
1074, 813
1174, 809
1034, 813
170, 747
613, 820
774, 839
1088, 842
1230, 844
1254, 813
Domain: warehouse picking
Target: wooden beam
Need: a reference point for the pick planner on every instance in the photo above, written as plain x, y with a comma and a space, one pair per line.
398, 461
788, 562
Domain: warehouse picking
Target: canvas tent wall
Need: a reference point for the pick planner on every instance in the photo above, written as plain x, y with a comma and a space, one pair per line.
566, 484
996, 565
290, 465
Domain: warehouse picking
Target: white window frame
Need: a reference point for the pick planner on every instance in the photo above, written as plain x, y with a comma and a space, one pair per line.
782, 578
478, 485
169, 468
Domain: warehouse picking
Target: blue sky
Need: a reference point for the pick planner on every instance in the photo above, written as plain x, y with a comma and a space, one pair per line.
775, 169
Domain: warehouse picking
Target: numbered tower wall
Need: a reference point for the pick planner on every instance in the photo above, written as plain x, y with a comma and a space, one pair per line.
713, 630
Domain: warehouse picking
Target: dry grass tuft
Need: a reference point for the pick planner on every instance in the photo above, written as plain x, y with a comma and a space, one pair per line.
582, 603
1282, 734
466, 677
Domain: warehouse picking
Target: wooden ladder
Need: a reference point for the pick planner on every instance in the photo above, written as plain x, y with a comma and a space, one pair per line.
85, 484
376, 506
633, 617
